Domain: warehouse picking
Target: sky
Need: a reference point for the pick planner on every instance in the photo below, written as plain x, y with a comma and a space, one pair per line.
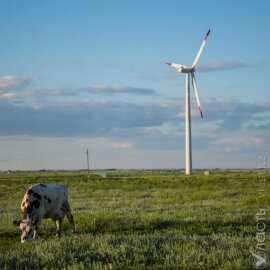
77, 75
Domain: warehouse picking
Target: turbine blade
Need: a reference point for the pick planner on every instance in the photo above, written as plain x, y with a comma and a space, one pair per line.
174, 65
194, 84
200, 50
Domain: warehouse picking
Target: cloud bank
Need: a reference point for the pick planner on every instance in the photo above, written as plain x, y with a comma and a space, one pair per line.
158, 124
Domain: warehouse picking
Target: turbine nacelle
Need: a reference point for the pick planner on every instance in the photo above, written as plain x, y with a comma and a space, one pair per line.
185, 69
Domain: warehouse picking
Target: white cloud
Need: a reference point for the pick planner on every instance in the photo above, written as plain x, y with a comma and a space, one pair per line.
8, 95
122, 145
14, 82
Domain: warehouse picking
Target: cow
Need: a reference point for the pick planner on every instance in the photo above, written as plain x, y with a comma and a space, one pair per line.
43, 201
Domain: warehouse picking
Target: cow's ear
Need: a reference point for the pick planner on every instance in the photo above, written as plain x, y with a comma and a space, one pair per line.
16, 222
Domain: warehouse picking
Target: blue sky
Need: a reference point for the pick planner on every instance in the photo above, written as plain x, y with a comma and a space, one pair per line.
91, 74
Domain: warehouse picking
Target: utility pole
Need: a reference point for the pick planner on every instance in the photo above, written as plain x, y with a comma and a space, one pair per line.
87, 162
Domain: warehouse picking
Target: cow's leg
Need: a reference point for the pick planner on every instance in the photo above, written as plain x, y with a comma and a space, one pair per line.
35, 235
58, 227
70, 216
36, 228
36, 225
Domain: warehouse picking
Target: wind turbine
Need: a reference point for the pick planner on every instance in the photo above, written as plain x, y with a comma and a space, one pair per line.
190, 71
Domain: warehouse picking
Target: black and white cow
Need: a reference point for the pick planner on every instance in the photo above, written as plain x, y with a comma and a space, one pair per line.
43, 201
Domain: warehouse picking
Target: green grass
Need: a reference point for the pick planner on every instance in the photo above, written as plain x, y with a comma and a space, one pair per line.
139, 220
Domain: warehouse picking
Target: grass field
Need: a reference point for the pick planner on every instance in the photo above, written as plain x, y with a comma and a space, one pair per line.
140, 220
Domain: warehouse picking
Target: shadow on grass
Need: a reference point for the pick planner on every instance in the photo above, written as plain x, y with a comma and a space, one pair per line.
116, 225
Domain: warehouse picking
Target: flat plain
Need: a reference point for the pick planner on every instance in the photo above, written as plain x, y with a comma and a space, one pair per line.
140, 220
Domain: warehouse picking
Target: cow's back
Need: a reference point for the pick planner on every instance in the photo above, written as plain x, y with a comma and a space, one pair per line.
45, 200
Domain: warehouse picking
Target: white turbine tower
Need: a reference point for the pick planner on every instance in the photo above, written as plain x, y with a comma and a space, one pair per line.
190, 71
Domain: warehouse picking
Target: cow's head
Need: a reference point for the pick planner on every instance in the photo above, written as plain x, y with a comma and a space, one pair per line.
26, 229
